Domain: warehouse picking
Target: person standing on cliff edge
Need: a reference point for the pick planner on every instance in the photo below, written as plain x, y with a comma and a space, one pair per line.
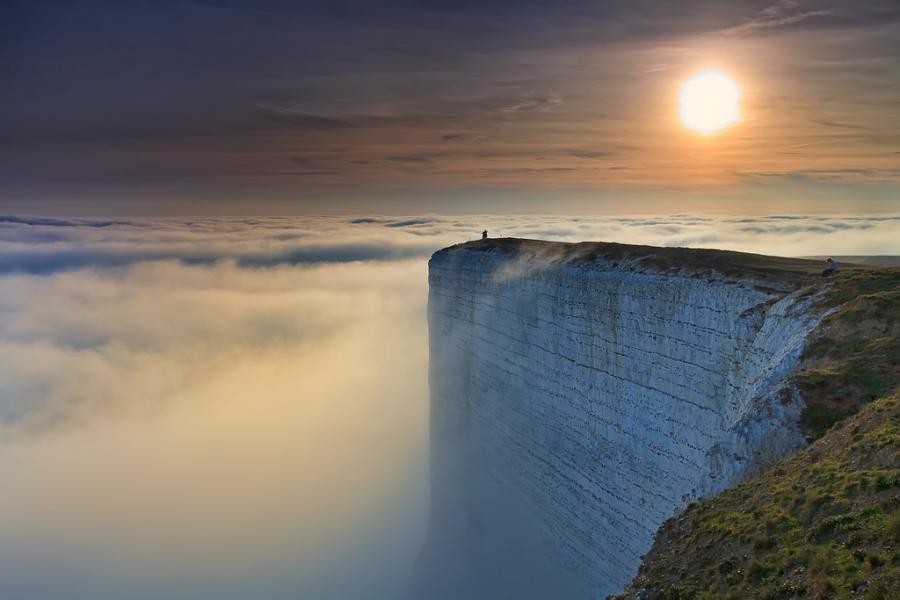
484, 234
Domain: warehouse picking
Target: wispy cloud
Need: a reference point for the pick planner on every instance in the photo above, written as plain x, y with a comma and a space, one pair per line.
535, 103
838, 174
837, 124
299, 119
785, 13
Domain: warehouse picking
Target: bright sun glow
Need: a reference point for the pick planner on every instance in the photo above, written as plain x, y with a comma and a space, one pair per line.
709, 101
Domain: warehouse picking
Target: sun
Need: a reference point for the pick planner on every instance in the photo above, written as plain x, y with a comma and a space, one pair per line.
709, 101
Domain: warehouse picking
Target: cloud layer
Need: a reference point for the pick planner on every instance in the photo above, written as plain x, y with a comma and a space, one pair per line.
218, 408
43, 245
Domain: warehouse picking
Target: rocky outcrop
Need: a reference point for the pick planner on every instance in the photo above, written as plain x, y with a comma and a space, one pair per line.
580, 400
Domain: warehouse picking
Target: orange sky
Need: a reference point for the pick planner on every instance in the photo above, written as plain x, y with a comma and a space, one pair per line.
265, 107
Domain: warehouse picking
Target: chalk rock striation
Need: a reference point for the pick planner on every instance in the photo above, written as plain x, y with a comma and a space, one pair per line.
582, 395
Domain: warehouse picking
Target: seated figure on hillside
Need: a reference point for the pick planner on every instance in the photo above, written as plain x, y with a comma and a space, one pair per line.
830, 267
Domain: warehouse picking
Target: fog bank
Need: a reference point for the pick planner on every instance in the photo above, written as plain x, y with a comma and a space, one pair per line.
232, 408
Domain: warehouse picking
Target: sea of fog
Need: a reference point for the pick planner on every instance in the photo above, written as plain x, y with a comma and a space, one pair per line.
237, 408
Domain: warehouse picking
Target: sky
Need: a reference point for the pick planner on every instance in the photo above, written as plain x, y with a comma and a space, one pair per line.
210, 390
232, 107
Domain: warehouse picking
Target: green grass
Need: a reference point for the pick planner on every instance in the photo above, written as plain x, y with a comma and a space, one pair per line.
824, 523
819, 419
855, 357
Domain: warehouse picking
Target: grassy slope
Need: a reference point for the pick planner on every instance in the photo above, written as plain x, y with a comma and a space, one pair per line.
855, 357
826, 522
823, 523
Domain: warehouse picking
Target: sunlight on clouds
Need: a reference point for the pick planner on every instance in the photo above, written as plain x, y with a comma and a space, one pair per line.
219, 422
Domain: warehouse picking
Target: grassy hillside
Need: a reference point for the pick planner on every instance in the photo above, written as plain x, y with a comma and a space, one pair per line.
824, 523
855, 357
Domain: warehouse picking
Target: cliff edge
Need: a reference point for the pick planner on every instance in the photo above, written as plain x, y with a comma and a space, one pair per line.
824, 523
583, 394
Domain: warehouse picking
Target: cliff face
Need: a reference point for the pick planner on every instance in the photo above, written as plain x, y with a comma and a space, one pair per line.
824, 523
581, 399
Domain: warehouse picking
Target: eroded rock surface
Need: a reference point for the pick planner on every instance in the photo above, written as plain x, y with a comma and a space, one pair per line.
577, 404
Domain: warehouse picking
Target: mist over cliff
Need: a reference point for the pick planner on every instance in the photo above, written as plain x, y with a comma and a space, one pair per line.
583, 394
237, 407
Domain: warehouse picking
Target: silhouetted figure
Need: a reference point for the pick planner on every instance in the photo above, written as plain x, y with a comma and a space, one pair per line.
484, 234
831, 267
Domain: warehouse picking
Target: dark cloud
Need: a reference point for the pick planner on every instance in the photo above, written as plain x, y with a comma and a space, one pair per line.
414, 158
43, 262
301, 120
827, 123
38, 262
849, 174
821, 227
529, 170
409, 223
336, 254
704, 240
588, 154
291, 173
54, 222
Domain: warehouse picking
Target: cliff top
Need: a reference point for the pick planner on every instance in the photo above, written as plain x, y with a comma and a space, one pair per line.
739, 265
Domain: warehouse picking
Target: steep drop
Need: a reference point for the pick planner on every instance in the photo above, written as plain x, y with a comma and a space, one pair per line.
583, 394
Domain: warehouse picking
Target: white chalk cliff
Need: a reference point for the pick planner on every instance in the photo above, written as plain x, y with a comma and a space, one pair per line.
581, 395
